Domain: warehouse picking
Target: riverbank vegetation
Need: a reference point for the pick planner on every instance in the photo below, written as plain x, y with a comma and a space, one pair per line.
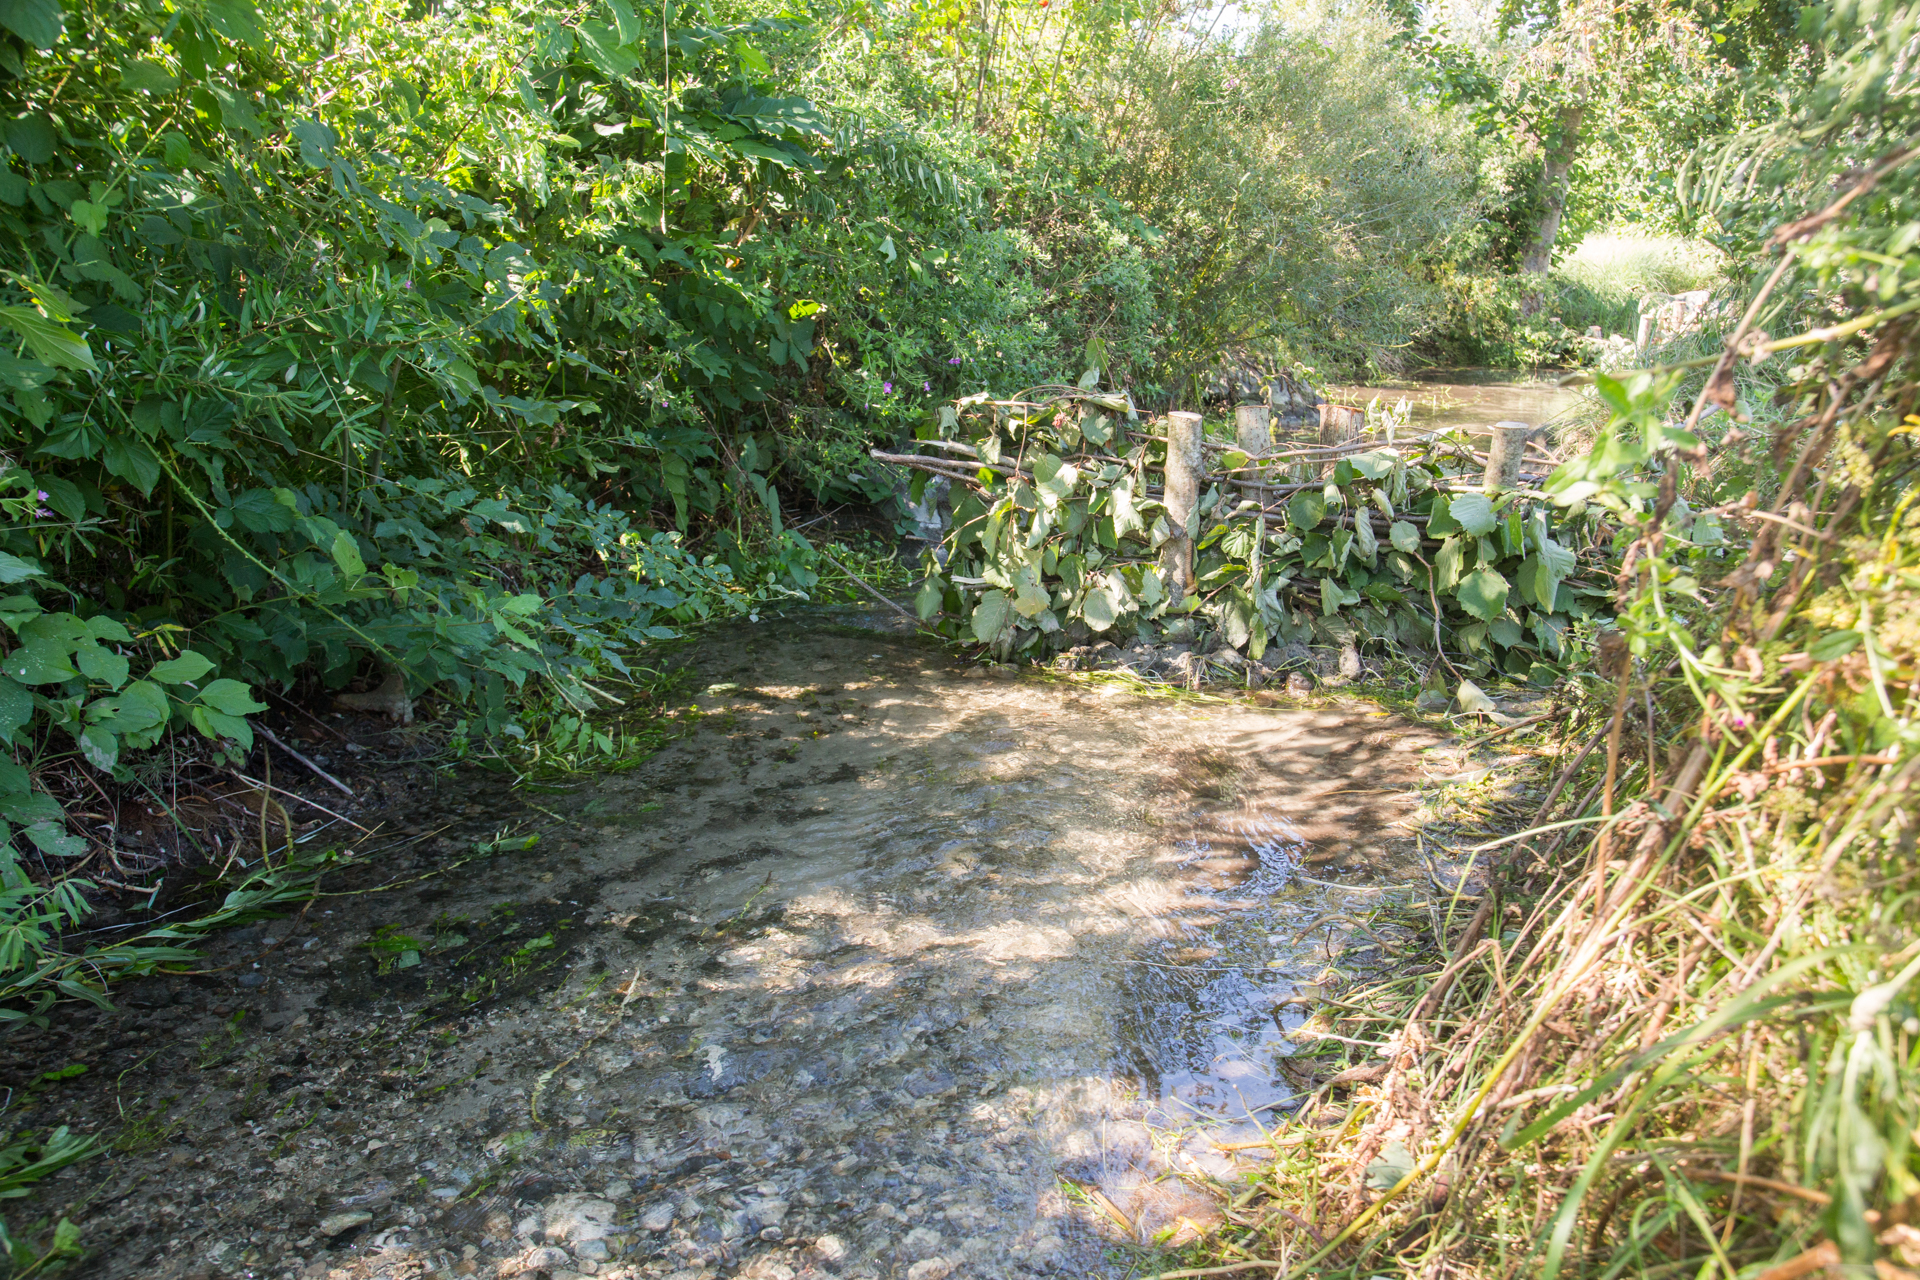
447, 356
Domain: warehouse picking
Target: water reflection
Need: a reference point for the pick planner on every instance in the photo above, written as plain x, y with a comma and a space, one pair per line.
1469, 397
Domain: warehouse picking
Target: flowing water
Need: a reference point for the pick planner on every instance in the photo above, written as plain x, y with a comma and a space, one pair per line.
1469, 397
886, 969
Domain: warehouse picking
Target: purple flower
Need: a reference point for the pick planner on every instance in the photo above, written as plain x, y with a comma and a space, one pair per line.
926, 386
42, 495
887, 387
955, 360
44, 514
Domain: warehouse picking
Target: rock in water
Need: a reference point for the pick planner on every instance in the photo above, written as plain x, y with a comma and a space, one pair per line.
1299, 684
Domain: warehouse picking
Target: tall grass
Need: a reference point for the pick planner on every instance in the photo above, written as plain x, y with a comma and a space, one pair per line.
1680, 1034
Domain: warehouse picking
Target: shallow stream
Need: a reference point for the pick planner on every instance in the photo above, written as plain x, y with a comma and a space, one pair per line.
887, 968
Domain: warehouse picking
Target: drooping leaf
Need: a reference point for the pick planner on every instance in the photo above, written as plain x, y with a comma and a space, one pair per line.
990, 616
1404, 536
50, 342
927, 601
1483, 593
1306, 510
13, 569
132, 461
346, 554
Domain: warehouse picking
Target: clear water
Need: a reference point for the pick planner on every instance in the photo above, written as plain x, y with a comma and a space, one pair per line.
881, 964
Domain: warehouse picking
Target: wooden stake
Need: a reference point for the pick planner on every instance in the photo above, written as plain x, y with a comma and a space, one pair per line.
1253, 432
1182, 499
1506, 448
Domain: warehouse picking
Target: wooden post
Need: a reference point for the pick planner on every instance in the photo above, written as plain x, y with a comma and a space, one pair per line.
1505, 448
1340, 424
1253, 429
1253, 432
1182, 497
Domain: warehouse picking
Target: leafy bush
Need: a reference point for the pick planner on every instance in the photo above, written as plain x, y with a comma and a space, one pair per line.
1057, 540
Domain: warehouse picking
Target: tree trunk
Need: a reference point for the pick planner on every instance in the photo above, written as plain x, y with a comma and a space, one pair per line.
1562, 148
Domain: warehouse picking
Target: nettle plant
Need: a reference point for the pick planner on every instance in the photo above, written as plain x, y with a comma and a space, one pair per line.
1059, 521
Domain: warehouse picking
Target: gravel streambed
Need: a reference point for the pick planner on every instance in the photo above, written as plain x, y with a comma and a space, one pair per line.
883, 971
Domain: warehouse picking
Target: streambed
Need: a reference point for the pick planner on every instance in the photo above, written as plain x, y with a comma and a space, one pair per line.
889, 968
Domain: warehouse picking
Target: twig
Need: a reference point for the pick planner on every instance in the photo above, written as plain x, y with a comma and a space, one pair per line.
870, 589
291, 795
269, 735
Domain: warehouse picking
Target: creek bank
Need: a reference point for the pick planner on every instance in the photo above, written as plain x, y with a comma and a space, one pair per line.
881, 972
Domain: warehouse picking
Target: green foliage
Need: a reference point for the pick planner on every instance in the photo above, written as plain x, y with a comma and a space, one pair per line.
1058, 542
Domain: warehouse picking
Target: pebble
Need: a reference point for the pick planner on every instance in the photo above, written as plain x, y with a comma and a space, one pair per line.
617, 1191
930, 1269
545, 1258
830, 1248
575, 1219
658, 1218
593, 1250
342, 1222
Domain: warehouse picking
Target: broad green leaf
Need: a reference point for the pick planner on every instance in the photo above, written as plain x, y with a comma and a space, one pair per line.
1506, 632
50, 342
13, 569
346, 554
97, 662
927, 601
1440, 521
39, 660
148, 77
185, 669
1306, 510
1404, 536
1449, 562
1473, 512
230, 697
1833, 645
18, 804
1483, 593
31, 138
626, 24
1470, 697
218, 724
100, 747
1098, 610
16, 709
38, 22
131, 460
1372, 466
1031, 599
139, 707
54, 840
239, 21
990, 616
